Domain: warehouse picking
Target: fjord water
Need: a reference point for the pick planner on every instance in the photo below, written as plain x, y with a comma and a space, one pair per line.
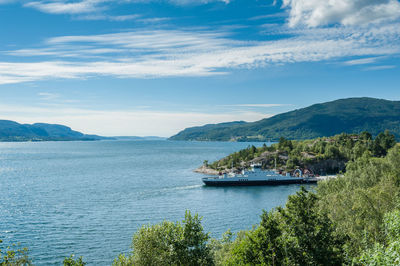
88, 198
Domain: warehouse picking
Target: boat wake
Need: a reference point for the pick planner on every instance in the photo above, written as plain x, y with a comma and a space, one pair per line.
183, 188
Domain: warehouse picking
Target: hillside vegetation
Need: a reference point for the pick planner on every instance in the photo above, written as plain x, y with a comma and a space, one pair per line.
327, 155
13, 131
352, 115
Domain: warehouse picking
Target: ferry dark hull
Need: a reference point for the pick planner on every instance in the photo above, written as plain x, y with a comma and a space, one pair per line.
218, 183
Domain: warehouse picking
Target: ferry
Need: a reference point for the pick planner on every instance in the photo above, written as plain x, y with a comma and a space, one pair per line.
258, 177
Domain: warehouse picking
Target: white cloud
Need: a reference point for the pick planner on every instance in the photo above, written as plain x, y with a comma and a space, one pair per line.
152, 40
108, 17
314, 13
260, 105
383, 67
268, 16
47, 96
165, 53
121, 122
363, 61
189, 2
66, 7
153, 20
94, 6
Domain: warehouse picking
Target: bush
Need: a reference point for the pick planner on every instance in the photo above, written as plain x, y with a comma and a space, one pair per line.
170, 243
298, 234
388, 253
70, 261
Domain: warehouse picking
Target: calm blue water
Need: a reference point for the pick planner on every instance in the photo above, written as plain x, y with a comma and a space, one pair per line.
88, 198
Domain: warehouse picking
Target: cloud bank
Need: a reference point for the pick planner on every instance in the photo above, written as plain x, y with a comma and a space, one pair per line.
177, 53
91, 6
193, 52
315, 13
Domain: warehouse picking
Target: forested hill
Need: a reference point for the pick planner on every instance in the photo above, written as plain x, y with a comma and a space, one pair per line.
352, 115
13, 131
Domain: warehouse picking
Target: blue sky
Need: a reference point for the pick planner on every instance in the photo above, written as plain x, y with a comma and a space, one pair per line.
143, 67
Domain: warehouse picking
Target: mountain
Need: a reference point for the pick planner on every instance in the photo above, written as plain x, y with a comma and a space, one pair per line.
136, 138
13, 131
352, 115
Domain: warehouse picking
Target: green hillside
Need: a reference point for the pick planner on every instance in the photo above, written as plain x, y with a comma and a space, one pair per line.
352, 115
13, 131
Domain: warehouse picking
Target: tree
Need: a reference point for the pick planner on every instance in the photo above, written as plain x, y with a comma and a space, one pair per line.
264, 147
70, 261
221, 248
388, 253
285, 144
170, 243
332, 152
369, 189
14, 255
316, 242
382, 143
253, 149
299, 234
263, 245
365, 136
194, 250
270, 241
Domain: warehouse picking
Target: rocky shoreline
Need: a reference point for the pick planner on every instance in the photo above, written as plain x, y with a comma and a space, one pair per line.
206, 170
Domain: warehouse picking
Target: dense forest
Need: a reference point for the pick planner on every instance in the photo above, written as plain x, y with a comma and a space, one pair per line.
352, 115
351, 220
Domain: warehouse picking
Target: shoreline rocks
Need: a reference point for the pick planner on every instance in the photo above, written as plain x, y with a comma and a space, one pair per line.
205, 170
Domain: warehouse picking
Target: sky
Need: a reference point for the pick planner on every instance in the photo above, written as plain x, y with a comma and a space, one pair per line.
155, 67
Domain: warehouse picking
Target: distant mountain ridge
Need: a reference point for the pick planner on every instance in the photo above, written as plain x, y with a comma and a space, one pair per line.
136, 138
351, 115
13, 131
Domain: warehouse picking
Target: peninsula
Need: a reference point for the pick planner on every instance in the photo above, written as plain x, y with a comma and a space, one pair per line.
320, 156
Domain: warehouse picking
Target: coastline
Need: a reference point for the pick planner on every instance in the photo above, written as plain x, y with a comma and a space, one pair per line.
205, 170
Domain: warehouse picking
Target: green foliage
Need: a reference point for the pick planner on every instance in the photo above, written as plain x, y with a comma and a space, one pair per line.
170, 243
321, 155
316, 242
264, 245
358, 201
70, 261
123, 260
14, 256
389, 252
298, 234
383, 142
285, 145
221, 248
